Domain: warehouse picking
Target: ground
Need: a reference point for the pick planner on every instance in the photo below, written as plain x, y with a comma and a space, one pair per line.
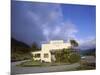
34, 67
26, 70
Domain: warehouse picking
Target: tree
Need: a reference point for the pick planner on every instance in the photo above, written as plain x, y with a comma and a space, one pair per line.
74, 43
74, 57
34, 47
19, 50
66, 56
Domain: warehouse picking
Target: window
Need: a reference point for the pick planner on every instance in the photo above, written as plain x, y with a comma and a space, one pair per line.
37, 55
46, 55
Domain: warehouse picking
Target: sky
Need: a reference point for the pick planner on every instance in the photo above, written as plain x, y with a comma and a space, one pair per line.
42, 22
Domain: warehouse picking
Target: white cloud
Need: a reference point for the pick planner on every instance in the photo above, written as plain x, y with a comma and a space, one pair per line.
89, 42
57, 30
43, 22
49, 18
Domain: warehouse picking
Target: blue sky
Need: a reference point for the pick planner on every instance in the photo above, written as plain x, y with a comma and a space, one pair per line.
41, 22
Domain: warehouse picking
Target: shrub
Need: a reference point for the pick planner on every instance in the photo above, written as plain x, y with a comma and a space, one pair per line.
74, 57
67, 56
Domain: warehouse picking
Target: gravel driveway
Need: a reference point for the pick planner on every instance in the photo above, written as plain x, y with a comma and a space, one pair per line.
27, 70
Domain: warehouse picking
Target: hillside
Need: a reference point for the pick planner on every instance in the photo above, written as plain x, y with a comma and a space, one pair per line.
88, 52
19, 50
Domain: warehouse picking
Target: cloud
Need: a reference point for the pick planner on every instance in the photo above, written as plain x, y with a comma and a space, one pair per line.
41, 22
89, 42
49, 18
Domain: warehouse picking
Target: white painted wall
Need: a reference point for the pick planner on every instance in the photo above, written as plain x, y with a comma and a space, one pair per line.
37, 52
53, 45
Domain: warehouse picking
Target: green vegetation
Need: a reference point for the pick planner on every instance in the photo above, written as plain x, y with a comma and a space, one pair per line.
21, 51
67, 56
33, 63
70, 55
62, 55
74, 43
34, 47
74, 57
30, 63
86, 66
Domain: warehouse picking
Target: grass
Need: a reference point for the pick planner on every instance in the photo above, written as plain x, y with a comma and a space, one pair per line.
30, 63
33, 63
88, 66
85, 66
82, 67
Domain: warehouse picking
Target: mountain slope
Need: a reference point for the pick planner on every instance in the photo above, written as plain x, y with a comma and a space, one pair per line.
88, 52
19, 50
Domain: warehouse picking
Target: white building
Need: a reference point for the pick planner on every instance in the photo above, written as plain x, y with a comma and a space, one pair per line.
45, 54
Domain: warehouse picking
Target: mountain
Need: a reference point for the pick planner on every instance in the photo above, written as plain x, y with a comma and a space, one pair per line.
87, 52
19, 50
15, 42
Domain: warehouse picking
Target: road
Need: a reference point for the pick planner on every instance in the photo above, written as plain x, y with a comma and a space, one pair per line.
13, 64
27, 70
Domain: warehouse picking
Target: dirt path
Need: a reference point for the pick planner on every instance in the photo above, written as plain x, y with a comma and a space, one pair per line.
27, 70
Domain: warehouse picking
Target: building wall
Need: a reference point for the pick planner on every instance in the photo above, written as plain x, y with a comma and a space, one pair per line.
37, 52
53, 45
